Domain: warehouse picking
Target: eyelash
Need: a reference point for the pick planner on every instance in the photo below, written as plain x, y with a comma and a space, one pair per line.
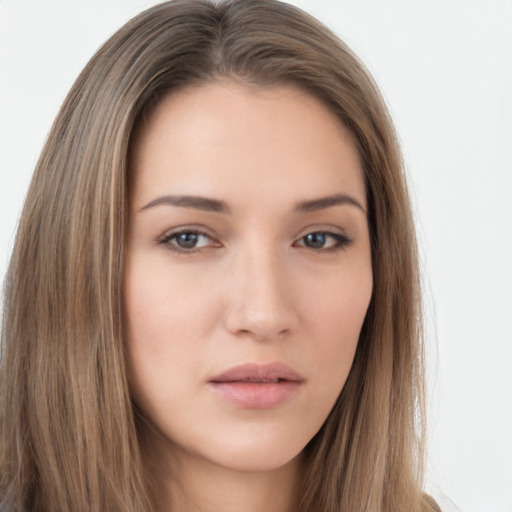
341, 242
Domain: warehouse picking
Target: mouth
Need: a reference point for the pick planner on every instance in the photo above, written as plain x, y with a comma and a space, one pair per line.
257, 386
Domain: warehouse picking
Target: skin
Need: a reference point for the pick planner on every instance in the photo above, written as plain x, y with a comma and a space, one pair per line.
253, 289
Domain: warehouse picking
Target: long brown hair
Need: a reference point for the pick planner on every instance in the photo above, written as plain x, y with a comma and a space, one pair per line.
68, 433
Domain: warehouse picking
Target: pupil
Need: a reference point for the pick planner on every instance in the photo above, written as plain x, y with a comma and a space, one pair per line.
315, 240
187, 240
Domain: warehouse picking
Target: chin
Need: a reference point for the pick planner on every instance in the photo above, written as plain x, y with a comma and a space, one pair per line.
256, 451
255, 461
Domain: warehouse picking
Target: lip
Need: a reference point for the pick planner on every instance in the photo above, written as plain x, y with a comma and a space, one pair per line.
257, 386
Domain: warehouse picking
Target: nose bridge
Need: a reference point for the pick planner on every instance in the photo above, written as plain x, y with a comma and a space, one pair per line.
260, 303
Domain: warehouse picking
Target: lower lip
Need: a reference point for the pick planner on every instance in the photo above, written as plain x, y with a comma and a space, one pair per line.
256, 395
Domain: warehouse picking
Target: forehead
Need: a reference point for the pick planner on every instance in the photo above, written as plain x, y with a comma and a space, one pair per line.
241, 143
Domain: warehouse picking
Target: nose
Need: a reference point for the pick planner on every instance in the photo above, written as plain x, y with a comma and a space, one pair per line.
261, 298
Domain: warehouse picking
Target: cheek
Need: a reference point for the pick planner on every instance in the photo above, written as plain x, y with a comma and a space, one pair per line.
161, 305
337, 307
336, 312
166, 324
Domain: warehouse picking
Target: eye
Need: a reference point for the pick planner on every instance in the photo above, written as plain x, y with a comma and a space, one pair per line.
186, 240
324, 240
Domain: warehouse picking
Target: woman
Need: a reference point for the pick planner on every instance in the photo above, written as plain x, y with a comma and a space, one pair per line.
213, 299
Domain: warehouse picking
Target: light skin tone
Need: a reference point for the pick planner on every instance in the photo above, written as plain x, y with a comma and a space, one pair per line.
248, 243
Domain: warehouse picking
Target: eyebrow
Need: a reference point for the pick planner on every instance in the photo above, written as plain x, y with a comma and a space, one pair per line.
326, 202
215, 205
197, 202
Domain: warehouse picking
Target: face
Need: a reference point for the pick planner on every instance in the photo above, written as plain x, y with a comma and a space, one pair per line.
248, 271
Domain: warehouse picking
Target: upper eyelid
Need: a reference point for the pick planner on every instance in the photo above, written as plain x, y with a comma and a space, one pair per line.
205, 231
333, 234
322, 228
169, 235
200, 230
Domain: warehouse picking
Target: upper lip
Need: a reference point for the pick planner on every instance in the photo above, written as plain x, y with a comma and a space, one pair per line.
256, 372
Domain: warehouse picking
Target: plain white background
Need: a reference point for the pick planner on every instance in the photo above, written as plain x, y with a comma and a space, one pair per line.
445, 70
